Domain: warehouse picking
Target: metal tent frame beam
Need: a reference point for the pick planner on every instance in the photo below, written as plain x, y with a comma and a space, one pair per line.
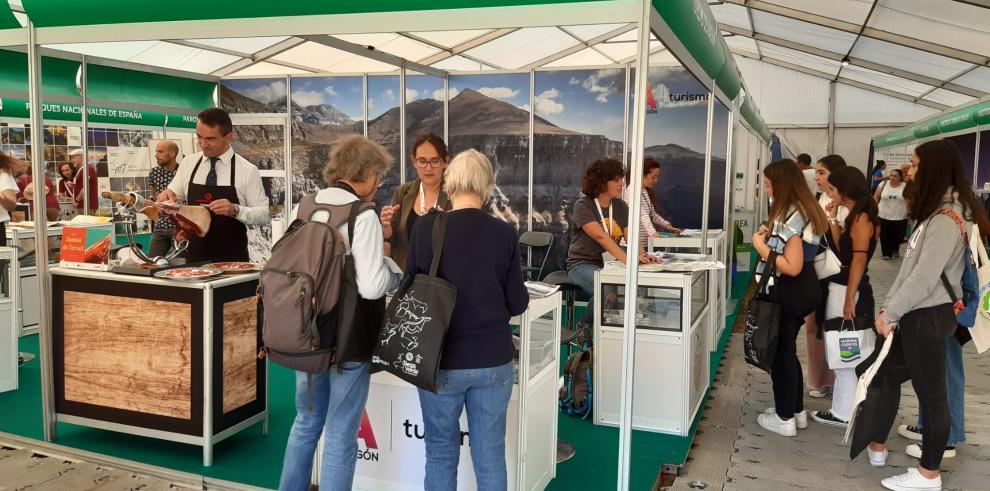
842, 80
264, 55
372, 53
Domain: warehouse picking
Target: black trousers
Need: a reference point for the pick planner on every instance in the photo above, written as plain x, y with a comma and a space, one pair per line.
891, 236
917, 354
788, 380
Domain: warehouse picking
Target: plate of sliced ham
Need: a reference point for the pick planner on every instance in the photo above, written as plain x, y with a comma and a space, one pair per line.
189, 274
234, 267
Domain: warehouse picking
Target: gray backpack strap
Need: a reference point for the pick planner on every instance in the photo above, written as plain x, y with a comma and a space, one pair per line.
309, 207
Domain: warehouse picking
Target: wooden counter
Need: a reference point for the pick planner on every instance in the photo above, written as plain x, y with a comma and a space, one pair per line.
160, 358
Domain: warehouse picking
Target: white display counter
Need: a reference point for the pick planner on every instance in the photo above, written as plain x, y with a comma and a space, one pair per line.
718, 244
391, 448
671, 373
9, 331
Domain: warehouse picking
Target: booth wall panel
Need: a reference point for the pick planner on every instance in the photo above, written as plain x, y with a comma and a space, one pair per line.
785, 96
110, 372
240, 352
855, 105
983, 168
967, 151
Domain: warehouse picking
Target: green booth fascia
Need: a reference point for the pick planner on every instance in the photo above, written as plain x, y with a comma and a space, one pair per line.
115, 91
7, 19
694, 25
960, 120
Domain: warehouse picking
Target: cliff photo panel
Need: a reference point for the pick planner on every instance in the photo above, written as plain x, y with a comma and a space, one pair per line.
383, 127
676, 137
324, 109
424, 114
579, 119
253, 96
490, 113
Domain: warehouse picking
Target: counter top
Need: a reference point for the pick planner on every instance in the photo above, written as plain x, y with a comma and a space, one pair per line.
219, 281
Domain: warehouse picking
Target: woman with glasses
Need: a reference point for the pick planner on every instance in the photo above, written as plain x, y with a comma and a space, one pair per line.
416, 198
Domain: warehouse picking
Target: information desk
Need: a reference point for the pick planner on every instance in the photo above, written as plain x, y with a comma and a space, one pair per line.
9, 331
392, 452
25, 290
720, 291
165, 359
671, 373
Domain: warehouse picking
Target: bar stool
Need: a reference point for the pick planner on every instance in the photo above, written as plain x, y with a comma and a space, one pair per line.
565, 451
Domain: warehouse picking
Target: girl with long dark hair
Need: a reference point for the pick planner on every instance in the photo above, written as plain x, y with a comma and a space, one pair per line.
919, 307
796, 225
650, 221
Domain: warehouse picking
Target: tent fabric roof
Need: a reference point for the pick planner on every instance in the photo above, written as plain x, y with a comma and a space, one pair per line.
931, 52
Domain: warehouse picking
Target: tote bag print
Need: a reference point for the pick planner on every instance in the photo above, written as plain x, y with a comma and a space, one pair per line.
981, 330
404, 330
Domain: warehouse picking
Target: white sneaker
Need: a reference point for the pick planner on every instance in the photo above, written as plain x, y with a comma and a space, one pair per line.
911, 432
914, 450
772, 422
820, 393
877, 459
800, 419
912, 480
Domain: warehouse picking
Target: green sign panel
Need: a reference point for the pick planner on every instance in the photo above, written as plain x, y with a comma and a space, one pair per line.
982, 113
693, 23
55, 111
181, 121
958, 120
926, 129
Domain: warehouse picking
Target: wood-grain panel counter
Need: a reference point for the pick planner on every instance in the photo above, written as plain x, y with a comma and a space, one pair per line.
166, 359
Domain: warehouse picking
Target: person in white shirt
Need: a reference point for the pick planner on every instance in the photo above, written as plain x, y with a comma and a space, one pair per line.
8, 190
227, 184
804, 163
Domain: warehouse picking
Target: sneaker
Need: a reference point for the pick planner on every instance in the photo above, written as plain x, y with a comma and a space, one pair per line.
828, 419
800, 419
877, 459
821, 392
914, 450
911, 432
772, 422
912, 480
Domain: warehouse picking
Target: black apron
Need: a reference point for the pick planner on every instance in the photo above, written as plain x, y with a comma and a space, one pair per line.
227, 238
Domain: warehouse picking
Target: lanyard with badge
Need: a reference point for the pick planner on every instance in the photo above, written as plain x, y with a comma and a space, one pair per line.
606, 256
422, 200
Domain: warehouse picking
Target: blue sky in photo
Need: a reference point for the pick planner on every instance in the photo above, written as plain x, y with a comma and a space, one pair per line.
343, 93
383, 94
263, 90
423, 87
588, 101
512, 88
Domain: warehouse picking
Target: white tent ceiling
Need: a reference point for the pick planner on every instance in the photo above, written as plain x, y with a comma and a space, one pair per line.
933, 53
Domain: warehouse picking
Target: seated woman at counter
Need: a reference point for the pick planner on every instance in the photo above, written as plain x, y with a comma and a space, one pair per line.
8, 190
650, 221
481, 257
599, 224
417, 197
332, 403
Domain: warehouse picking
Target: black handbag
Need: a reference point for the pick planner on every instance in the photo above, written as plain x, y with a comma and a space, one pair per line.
763, 322
410, 342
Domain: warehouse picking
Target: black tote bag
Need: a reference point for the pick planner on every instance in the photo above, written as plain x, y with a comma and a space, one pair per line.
763, 322
410, 342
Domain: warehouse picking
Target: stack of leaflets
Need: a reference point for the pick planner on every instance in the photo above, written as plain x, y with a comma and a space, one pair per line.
538, 289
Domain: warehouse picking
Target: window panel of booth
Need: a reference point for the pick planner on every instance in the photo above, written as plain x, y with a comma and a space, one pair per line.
967, 151
490, 113
384, 128
424, 114
579, 119
324, 109
720, 145
657, 309
983, 167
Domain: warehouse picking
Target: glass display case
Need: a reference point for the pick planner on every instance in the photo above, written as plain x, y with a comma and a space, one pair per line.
9, 331
671, 366
718, 280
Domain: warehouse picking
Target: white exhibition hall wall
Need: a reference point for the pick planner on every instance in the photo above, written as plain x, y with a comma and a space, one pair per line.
785, 96
855, 105
853, 144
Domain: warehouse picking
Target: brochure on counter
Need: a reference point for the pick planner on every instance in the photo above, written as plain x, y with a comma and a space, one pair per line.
674, 262
86, 248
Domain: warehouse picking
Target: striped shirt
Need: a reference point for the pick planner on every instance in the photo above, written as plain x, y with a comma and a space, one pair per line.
648, 217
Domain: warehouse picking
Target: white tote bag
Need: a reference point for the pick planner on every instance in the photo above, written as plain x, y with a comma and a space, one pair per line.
827, 264
981, 330
848, 347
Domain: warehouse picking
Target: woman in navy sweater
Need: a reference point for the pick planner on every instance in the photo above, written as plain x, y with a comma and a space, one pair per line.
481, 258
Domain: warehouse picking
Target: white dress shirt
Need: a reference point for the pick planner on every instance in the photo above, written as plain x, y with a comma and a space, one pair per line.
376, 273
254, 205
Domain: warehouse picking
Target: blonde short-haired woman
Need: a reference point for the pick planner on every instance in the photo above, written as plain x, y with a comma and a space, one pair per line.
480, 257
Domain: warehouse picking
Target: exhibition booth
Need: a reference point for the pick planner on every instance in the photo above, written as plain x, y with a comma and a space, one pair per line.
151, 369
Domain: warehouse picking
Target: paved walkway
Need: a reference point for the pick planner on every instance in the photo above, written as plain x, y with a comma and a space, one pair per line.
732, 452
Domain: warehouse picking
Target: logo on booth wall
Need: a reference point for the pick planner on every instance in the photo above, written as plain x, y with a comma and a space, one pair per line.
367, 434
651, 102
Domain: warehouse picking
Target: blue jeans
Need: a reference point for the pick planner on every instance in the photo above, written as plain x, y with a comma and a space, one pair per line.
583, 275
337, 406
485, 392
956, 376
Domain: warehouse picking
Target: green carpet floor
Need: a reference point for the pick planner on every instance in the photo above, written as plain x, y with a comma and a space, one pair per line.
251, 458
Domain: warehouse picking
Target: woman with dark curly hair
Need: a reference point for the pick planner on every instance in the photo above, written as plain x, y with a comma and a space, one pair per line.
599, 223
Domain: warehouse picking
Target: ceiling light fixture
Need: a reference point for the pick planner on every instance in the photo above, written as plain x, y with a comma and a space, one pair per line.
845, 61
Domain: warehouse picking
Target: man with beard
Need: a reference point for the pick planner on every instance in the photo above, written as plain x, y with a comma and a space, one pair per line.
161, 232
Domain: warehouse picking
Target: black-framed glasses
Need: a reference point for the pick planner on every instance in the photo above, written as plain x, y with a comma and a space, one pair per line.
422, 162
